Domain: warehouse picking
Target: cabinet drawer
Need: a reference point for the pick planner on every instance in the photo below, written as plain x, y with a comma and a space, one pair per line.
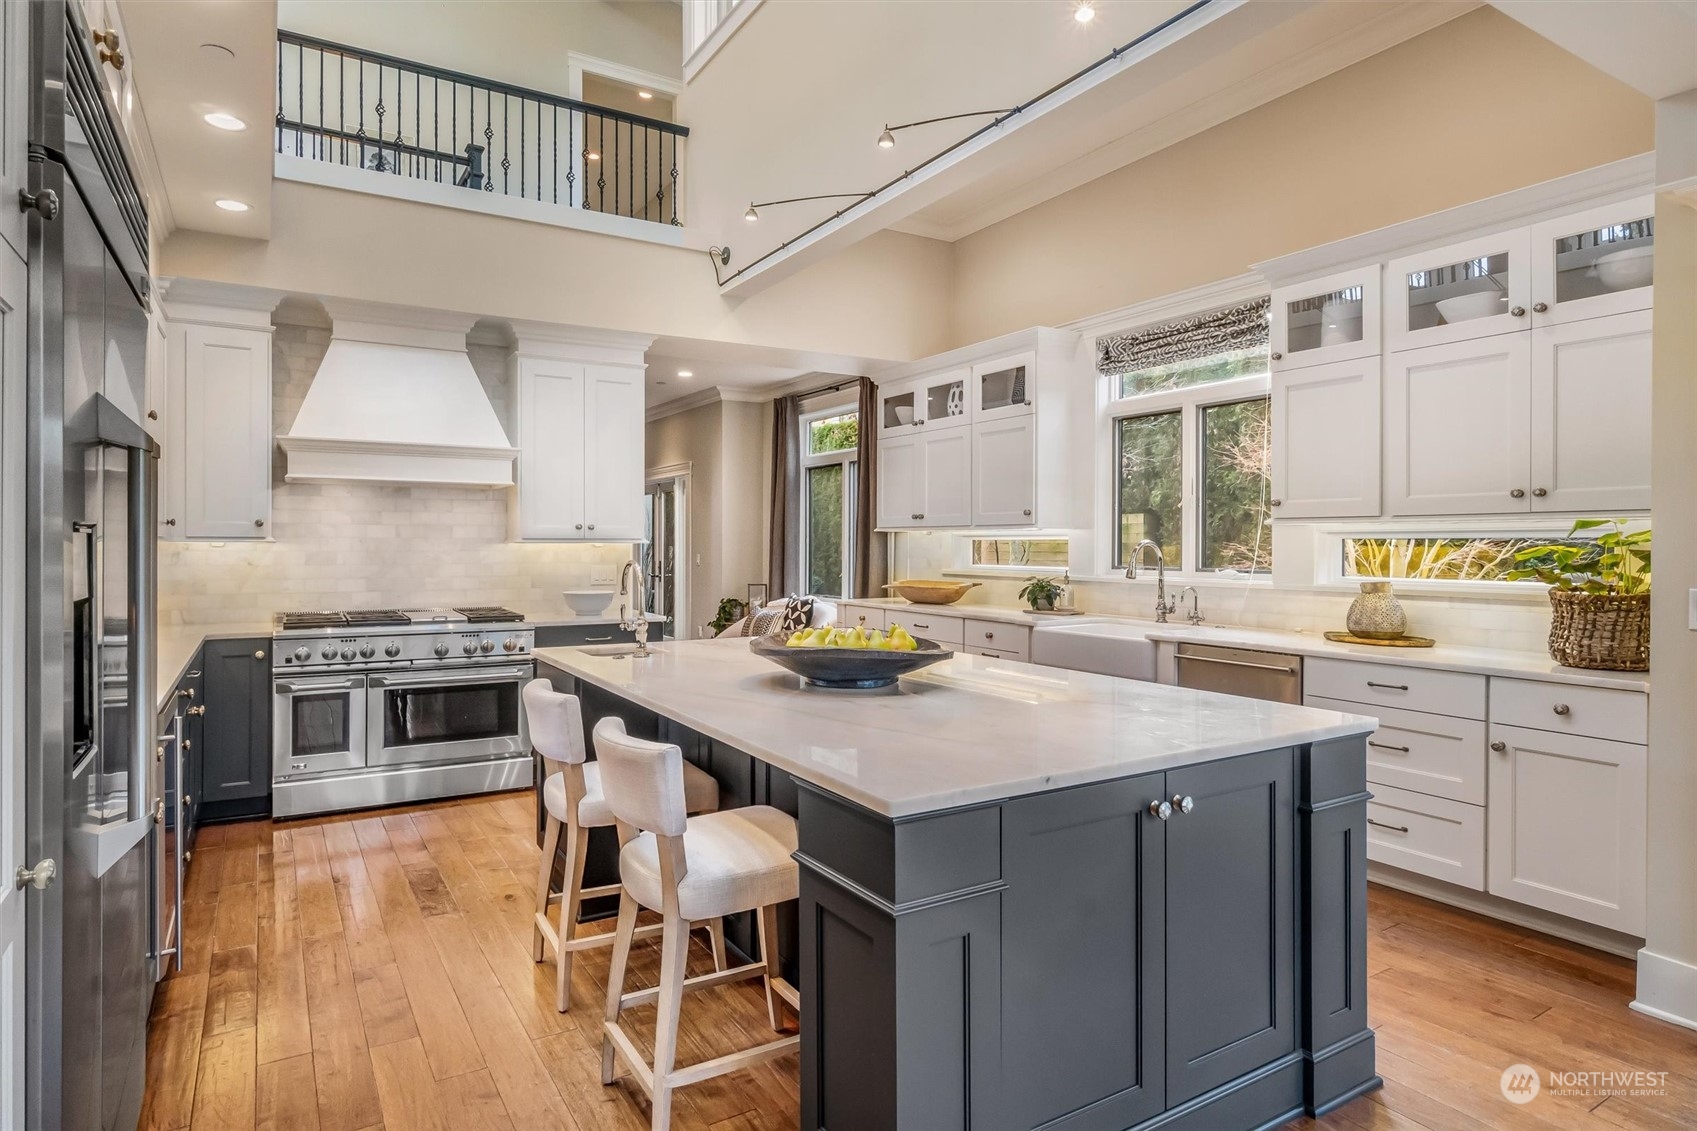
1434, 836
1434, 754
1011, 640
994, 654
868, 615
1412, 689
1599, 712
942, 629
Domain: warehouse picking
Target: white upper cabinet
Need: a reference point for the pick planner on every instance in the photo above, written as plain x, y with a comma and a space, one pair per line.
1335, 318
1457, 423
1326, 440
900, 481
1004, 387
1004, 472
550, 470
14, 133
947, 478
158, 365
1591, 415
1471, 289
220, 409
941, 400
613, 451
1594, 263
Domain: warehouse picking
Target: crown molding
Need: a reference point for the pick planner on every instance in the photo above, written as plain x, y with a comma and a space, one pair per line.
1165, 308
218, 304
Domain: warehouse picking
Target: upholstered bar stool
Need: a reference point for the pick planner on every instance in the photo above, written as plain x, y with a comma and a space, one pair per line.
687, 868
571, 793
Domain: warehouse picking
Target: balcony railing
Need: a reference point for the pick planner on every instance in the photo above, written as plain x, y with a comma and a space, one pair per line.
366, 110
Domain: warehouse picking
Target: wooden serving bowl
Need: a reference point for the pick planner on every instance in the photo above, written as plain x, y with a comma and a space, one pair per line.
923, 592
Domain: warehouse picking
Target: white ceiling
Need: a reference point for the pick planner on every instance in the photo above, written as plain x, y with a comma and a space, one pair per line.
1650, 46
744, 369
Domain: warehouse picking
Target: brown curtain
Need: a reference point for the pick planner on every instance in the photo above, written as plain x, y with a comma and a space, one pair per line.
870, 568
783, 570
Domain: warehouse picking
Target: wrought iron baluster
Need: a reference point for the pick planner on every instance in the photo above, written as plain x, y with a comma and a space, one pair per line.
280, 50
521, 147
601, 163
417, 130
556, 149
361, 132
300, 95
675, 222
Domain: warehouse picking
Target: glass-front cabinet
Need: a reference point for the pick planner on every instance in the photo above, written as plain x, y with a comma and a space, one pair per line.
1593, 263
938, 401
1335, 318
899, 407
1004, 387
1466, 290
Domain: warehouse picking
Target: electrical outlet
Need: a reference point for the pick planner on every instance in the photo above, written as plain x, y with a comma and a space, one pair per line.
602, 575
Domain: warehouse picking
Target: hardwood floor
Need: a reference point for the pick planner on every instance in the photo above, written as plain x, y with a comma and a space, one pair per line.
374, 971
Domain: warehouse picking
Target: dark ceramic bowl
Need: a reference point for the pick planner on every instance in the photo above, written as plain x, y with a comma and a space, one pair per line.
849, 667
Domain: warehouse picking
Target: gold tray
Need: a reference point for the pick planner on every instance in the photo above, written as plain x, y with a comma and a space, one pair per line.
1399, 642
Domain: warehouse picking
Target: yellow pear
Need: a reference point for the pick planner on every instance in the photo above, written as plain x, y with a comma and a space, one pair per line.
878, 640
797, 639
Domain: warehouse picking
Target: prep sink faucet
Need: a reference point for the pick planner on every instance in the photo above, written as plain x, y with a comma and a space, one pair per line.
1162, 605
630, 581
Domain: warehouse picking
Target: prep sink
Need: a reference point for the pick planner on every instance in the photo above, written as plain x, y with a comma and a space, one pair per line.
1106, 647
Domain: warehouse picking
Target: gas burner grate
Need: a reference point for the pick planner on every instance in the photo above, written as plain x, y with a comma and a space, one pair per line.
361, 617
288, 621
489, 614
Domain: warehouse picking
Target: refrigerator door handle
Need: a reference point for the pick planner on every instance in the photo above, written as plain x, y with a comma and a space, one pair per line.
176, 951
92, 631
143, 482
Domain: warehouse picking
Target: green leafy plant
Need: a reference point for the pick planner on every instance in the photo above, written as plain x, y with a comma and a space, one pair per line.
1616, 561
1040, 591
731, 610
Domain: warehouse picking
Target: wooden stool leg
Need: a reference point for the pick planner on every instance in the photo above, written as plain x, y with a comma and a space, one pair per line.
622, 937
716, 932
674, 961
545, 871
577, 847
767, 920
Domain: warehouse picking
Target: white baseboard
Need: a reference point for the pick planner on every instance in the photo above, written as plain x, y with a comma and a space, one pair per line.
1493, 907
1667, 989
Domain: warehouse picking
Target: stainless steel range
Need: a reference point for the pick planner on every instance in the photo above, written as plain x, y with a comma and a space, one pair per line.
386, 706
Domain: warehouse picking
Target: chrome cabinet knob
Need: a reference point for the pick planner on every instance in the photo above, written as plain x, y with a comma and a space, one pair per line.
259, 655
1028, 512
592, 526
1540, 307
579, 526
170, 522
159, 811
1563, 709
37, 877
1499, 746
1539, 492
1517, 311
1182, 803
258, 522
989, 636
1276, 502
1160, 809
197, 710
153, 414
1517, 493
44, 203
1276, 356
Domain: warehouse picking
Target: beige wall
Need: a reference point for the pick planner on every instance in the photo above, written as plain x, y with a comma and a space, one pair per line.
1472, 108
524, 44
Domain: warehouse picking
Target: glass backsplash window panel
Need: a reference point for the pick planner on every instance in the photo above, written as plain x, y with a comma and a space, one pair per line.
1458, 292
1332, 319
1619, 257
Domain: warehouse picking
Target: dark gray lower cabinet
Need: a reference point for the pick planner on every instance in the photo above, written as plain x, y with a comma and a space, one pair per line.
573, 635
235, 759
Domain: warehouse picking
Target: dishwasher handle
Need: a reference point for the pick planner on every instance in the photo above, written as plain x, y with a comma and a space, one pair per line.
1280, 668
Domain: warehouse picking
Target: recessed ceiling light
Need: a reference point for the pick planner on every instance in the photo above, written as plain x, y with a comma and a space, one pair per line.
229, 205
645, 94
686, 373
220, 120
1084, 12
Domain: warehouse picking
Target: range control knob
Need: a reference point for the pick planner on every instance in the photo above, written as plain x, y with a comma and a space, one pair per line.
329, 652
469, 648
441, 649
487, 646
303, 654
392, 650
347, 653
510, 644
366, 651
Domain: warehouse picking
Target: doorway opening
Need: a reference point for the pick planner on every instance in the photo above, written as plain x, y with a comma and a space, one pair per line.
665, 559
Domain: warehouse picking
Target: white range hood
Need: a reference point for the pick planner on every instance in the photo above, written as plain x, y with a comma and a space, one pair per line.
396, 401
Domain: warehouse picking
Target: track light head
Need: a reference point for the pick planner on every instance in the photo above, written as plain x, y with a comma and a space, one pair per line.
886, 140
751, 215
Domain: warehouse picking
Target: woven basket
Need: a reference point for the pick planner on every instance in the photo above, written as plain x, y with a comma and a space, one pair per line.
1600, 630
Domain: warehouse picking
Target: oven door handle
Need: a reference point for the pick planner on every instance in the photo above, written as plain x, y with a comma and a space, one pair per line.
497, 675
290, 685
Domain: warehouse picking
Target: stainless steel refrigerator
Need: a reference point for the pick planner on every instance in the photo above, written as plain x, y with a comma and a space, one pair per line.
91, 771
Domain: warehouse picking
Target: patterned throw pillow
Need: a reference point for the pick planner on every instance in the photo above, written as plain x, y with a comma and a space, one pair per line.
797, 614
763, 623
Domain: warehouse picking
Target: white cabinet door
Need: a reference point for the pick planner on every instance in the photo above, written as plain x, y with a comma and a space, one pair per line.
1004, 472
551, 455
1594, 263
1004, 387
1591, 414
14, 135
158, 397
900, 407
900, 482
947, 460
944, 400
1335, 318
1467, 290
1566, 825
1326, 440
226, 413
1457, 420
613, 453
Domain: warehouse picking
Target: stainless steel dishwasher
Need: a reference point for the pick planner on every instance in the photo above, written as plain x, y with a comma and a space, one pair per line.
1241, 671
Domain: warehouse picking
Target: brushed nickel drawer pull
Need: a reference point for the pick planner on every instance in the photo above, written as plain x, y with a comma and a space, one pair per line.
1388, 686
1382, 825
1387, 746
1563, 709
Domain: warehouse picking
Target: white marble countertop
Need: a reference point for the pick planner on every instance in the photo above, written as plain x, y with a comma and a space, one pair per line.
1004, 614
551, 621
970, 729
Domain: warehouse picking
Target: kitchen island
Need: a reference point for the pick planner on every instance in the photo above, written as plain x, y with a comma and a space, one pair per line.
1041, 898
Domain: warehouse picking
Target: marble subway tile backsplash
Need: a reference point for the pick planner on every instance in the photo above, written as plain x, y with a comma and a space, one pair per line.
355, 545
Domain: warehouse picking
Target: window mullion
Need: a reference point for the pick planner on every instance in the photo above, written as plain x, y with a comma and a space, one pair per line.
1190, 447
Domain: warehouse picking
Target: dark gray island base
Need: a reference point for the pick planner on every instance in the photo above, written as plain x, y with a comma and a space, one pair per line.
1070, 959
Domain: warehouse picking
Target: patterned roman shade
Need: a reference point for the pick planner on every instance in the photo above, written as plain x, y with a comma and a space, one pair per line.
1234, 328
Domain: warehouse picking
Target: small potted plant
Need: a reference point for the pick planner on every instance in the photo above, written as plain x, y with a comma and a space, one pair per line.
1599, 595
729, 612
1041, 593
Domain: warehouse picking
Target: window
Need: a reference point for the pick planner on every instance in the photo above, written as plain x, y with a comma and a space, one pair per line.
1236, 476
1150, 471
830, 440
1440, 559
1043, 553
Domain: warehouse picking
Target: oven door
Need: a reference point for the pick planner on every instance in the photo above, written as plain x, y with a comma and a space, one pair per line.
317, 725
446, 715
